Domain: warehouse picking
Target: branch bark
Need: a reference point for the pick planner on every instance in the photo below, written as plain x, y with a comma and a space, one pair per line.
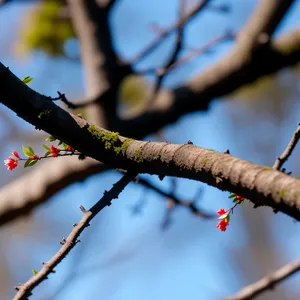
19, 198
263, 186
217, 81
24, 290
266, 283
103, 69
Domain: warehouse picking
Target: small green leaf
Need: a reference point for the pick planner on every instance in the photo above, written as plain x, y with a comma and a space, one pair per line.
46, 147
228, 218
232, 196
27, 79
31, 149
65, 146
27, 152
268, 168
47, 153
27, 163
50, 139
34, 271
32, 162
60, 142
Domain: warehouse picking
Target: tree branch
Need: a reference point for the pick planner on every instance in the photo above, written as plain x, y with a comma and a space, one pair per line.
288, 150
165, 33
174, 55
19, 198
263, 186
190, 205
103, 69
252, 57
24, 290
266, 283
283, 52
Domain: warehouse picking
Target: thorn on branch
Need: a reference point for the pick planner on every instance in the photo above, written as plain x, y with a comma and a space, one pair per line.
63, 241
62, 98
17, 287
189, 142
82, 209
227, 151
161, 177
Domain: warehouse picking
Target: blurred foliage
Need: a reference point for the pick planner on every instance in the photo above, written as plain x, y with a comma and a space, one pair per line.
133, 91
278, 86
45, 27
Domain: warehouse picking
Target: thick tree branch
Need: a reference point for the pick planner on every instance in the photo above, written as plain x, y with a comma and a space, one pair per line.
19, 198
253, 56
263, 186
24, 290
103, 68
220, 80
266, 283
283, 52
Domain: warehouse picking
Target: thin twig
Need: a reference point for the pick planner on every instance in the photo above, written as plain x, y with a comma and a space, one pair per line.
173, 57
104, 97
266, 283
191, 205
288, 150
24, 290
194, 53
197, 52
165, 33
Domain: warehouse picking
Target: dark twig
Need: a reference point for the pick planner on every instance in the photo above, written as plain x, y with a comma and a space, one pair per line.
166, 32
24, 290
173, 57
104, 97
197, 52
221, 8
288, 150
178, 202
194, 53
267, 282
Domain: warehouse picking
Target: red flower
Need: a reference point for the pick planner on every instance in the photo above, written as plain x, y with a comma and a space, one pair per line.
222, 211
54, 151
222, 225
16, 154
239, 199
69, 148
11, 163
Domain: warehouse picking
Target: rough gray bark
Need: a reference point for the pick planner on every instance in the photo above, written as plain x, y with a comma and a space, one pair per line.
230, 73
263, 186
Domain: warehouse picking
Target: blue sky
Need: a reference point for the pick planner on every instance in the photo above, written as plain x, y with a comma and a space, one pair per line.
128, 256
